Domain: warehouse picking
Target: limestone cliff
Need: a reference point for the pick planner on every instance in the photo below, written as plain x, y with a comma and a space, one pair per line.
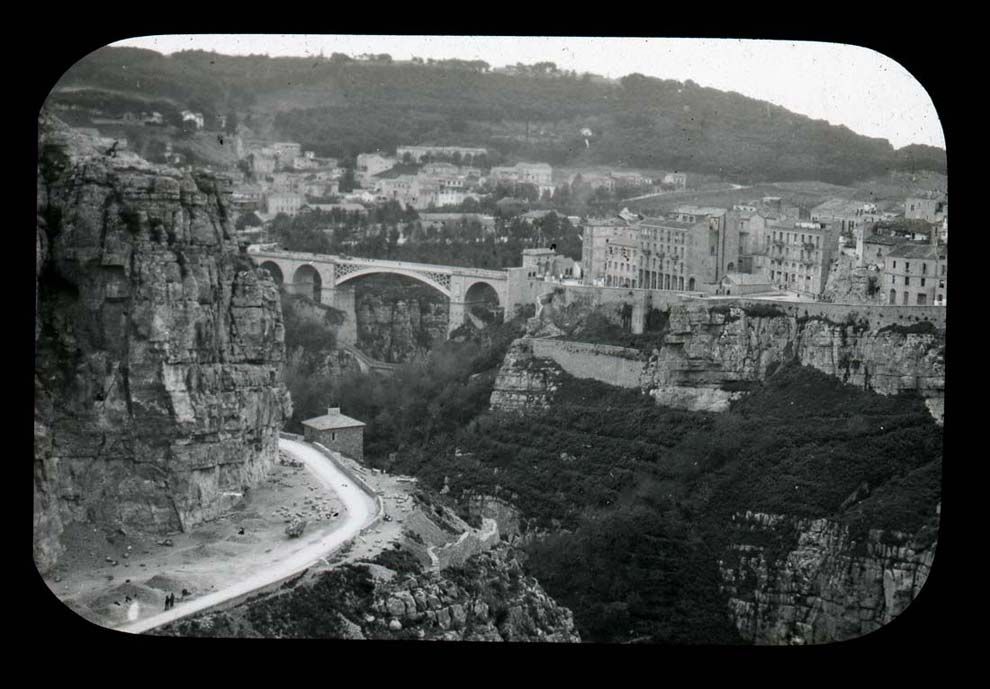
398, 325
159, 348
524, 381
711, 355
798, 581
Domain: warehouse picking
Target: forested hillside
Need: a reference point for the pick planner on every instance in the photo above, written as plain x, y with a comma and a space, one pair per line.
340, 107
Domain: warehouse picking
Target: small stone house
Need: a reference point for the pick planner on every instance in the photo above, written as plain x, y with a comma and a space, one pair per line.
337, 432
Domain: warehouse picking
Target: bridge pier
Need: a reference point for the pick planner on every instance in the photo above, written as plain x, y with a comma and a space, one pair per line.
455, 318
342, 299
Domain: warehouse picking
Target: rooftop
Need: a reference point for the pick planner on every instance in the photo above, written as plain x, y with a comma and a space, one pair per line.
332, 420
922, 251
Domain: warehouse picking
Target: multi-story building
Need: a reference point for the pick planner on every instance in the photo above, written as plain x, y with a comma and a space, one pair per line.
596, 238
622, 258
801, 255
917, 275
689, 249
539, 175
284, 202
931, 207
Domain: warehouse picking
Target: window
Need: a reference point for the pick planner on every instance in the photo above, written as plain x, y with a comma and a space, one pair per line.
907, 280
333, 436
921, 299
895, 265
907, 266
922, 282
924, 271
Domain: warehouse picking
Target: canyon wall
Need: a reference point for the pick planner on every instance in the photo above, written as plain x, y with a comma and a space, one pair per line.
800, 581
397, 329
159, 347
711, 354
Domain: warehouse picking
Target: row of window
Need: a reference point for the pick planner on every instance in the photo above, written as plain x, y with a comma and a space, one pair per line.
792, 237
924, 267
921, 298
907, 281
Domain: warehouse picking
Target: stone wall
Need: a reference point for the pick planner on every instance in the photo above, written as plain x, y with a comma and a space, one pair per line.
619, 366
158, 352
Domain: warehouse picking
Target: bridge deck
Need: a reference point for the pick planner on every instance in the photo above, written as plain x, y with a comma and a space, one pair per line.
381, 263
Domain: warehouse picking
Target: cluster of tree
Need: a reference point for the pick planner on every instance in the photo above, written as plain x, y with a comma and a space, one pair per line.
463, 242
645, 492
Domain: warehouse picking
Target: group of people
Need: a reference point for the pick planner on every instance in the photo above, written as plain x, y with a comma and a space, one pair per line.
170, 601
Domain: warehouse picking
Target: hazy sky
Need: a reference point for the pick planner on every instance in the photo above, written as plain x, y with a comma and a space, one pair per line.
858, 87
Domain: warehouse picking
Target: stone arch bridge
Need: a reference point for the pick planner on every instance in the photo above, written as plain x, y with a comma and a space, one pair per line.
327, 279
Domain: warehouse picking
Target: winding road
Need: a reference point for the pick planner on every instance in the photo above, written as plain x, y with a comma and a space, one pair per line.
361, 510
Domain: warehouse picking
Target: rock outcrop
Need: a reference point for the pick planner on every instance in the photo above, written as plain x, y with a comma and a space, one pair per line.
398, 329
159, 347
849, 284
800, 581
488, 599
710, 355
524, 381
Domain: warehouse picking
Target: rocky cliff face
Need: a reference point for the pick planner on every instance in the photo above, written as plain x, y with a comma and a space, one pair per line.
490, 599
524, 381
711, 355
158, 347
798, 581
849, 284
398, 330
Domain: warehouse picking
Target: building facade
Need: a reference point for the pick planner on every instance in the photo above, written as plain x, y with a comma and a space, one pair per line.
917, 275
801, 255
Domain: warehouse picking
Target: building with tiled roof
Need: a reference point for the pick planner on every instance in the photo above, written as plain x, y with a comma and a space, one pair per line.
336, 432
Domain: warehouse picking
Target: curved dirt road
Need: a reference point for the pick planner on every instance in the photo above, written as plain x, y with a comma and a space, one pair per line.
361, 509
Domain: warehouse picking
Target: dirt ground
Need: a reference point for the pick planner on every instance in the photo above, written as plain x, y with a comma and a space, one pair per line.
114, 577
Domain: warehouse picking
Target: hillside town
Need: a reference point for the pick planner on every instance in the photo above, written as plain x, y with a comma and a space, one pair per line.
759, 247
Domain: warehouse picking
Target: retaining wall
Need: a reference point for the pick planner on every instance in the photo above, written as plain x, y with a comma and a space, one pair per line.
620, 366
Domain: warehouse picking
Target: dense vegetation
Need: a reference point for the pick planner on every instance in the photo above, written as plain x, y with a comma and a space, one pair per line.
460, 243
340, 107
643, 492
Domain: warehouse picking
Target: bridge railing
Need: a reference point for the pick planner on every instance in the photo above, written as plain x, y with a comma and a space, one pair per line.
379, 263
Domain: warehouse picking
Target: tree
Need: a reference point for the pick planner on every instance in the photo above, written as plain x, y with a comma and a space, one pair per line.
347, 181
249, 219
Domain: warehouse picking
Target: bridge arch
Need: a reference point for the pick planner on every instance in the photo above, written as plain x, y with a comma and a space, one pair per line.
376, 270
273, 270
307, 280
481, 298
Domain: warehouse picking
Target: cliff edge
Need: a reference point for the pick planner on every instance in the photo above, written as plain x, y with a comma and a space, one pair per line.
158, 346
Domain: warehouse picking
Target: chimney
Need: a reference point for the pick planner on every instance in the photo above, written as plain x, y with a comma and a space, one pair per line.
333, 410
